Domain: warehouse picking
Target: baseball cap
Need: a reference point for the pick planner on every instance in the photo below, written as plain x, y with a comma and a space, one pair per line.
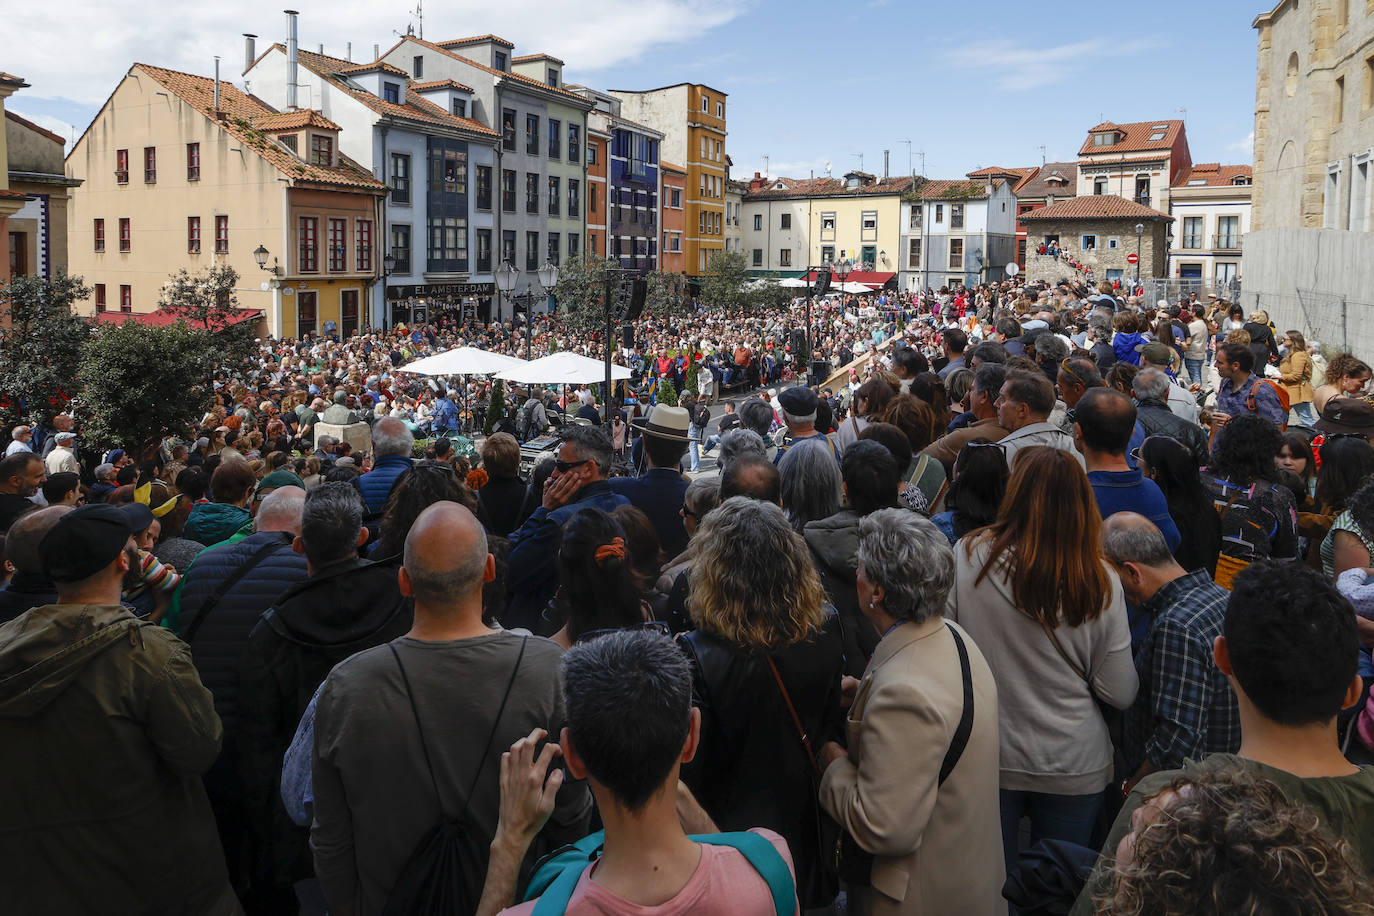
1157, 353
64, 437
84, 541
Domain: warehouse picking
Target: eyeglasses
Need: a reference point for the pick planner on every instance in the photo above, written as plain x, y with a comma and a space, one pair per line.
564, 467
687, 513
655, 626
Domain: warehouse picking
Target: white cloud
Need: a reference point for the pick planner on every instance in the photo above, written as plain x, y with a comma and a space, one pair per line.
800, 168
100, 41
1015, 67
1245, 146
48, 122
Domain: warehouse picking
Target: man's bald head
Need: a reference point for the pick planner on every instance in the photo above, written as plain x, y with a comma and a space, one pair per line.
756, 478
1128, 537
281, 510
445, 557
24, 536
1106, 418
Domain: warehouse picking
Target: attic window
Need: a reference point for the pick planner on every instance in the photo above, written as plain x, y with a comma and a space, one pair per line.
1156, 136
1159, 127
1242, 180
1055, 180
1104, 139
349, 82
288, 141
1192, 182
780, 186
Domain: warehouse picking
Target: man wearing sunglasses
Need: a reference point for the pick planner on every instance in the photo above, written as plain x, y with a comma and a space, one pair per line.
578, 482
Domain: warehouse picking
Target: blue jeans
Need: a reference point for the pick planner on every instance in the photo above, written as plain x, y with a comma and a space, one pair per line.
1052, 817
693, 448
1306, 414
1194, 369
711, 442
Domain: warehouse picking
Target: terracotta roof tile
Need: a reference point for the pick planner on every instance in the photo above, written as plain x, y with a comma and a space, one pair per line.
11, 79
292, 120
1095, 206
43, 131
828, 187
416, 108
1037, 183
947, 189
12, 195
475, 40
668, 166
1136, 137
584, 102
381, 65
1213, 175
525, 57
996, 171
440, 84
240, 111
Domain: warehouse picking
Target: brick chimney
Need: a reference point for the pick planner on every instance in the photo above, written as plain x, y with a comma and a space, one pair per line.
757, 182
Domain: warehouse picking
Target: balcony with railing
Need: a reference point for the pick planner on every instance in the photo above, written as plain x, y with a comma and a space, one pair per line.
1229, 241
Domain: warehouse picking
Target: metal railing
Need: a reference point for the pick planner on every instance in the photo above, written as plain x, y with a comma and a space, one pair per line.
1228, 242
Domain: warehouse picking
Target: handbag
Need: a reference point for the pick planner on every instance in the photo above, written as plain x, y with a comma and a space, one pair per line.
823, 885
852, 861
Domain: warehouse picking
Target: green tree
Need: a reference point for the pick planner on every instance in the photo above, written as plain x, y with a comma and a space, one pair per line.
667, 394
770, 294
142, 381
497, 408
667, 294
581, 290
689, 381
723, 284
41, 347
207, 302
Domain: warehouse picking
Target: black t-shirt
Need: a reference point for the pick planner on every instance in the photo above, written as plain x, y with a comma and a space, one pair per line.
728, 422
12, 506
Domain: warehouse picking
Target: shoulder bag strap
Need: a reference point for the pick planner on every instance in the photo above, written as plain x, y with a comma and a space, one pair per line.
1058, 647
760, 853
965, 727
218, 594
496, 723
796, 720
424, 747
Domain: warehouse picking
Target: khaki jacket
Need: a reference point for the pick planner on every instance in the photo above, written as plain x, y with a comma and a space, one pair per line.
938, 849
1295, 372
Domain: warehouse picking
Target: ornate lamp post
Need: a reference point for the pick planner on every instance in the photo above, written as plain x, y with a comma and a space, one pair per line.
505, 276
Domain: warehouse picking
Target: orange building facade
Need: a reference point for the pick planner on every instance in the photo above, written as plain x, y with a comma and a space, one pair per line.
673, 218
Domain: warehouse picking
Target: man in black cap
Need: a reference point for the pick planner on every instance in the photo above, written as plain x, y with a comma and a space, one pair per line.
107, 730
799, 413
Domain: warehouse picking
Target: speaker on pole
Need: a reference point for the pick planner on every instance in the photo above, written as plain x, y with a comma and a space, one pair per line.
639, 292
822, 284
627, 336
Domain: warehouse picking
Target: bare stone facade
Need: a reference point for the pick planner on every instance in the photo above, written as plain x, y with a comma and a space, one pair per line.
1110, 241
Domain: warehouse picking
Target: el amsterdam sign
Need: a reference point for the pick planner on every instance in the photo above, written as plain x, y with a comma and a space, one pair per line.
439, 290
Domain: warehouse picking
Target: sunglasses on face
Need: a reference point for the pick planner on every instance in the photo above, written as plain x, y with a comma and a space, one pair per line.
564, 467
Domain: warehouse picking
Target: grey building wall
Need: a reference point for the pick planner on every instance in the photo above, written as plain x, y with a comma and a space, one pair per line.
1318, 281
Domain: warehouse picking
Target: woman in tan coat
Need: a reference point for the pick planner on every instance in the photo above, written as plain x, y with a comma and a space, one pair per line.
917, 788
1295, 373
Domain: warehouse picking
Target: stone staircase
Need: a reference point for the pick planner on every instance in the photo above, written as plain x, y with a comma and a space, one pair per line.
1074, 265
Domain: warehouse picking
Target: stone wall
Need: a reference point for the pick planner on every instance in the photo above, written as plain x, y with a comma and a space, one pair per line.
1153, 248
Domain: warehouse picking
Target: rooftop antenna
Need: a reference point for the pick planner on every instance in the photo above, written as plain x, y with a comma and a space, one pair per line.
1042, 156
827, 168
1184, 112
861, 160
420, 18
909, 166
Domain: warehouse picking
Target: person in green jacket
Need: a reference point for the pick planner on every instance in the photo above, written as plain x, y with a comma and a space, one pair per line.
107, 729
231, 487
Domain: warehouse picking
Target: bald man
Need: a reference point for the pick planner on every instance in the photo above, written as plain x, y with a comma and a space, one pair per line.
1185, 709
474, 691
29, 587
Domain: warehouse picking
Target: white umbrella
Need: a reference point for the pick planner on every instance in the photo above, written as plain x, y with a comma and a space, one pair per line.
854, 288
563, 368
462, 361
793, 283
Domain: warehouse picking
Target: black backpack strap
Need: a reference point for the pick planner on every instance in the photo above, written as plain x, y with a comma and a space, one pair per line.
965, 726
218, 594
486, 750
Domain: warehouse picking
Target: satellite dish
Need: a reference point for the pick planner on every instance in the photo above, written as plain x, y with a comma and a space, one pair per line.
1013, 269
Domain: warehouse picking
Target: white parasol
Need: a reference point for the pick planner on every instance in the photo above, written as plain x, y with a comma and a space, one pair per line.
462, 361
563, 368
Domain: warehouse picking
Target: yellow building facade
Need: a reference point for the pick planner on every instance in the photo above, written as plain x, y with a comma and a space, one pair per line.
173, 180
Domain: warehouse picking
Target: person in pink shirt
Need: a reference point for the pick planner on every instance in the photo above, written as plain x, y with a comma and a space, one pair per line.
630, 754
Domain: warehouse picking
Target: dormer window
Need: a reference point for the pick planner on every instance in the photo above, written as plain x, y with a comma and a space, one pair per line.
553, 77
1156, 136
289, 141
499, 60
460, 108
391, 92
1195, 182
322, 150
1107, 138
1242, 180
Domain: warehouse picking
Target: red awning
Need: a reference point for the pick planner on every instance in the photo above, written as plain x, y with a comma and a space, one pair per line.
160, 318
873, 279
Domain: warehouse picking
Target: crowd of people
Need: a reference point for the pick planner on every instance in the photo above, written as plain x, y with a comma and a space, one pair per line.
1019, 598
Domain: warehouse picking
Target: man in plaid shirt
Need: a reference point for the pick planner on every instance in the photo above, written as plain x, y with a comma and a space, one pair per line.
1185, 708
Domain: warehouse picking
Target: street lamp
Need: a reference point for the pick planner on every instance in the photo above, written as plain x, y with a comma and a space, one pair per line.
548, 279
260, 254
505, 277
1139, 233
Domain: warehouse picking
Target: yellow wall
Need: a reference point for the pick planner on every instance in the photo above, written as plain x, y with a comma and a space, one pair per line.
704, 124
848, 236
234, 181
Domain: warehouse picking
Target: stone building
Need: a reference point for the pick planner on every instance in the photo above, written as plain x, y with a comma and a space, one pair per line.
1098, 233
1310, 254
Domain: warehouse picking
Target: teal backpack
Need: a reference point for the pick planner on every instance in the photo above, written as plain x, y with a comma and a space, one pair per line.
557, 873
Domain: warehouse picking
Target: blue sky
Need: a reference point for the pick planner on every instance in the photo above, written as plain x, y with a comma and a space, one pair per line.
986, 82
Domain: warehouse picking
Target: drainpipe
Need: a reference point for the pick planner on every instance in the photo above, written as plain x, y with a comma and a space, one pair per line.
291, 62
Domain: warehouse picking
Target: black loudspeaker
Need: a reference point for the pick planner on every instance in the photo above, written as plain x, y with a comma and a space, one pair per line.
822, 282
820, 370
798, 340
638, 293
627, 336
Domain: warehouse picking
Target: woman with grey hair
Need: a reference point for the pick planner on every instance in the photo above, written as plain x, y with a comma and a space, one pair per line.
738, 443
811, 485
766, 666
916, 794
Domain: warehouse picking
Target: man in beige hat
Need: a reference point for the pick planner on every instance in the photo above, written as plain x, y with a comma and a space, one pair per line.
659, 490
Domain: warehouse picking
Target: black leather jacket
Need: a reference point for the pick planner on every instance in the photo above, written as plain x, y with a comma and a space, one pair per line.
751, 769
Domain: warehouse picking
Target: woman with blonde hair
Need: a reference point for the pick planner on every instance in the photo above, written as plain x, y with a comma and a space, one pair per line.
766, 659
1047, 611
